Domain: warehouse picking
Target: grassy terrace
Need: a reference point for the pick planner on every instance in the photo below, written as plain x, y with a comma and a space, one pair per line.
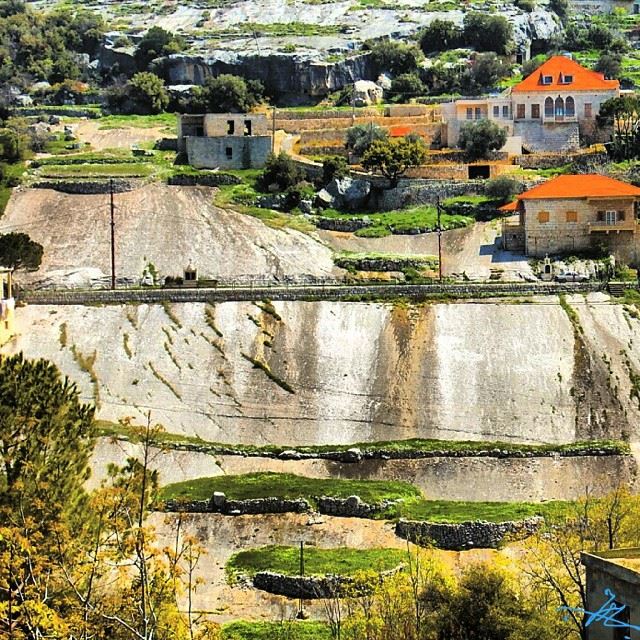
286, 560
398, 447
300, 630
412, 507
423, 218
289, 486
164, 120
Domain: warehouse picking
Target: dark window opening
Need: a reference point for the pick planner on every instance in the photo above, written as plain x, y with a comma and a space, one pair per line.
622, 632
479, 171
199, 132
231, 127
247, 127
229, 152
190, 274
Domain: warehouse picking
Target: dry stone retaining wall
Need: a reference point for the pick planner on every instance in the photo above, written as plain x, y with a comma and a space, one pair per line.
323, 292
467, 535
219, 504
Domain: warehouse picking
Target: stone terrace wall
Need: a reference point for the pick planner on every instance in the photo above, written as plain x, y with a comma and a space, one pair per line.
467, 535
219, 504
303, 292
305, 587
87, 187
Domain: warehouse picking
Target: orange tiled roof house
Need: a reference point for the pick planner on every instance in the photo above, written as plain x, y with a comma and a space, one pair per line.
575, 213
547, 110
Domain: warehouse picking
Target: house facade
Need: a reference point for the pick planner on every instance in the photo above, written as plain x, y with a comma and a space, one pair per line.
547, 111
225, 140
574, 213
613, 587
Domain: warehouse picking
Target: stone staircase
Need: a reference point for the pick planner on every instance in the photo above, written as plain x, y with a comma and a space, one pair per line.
616, 289
552, 137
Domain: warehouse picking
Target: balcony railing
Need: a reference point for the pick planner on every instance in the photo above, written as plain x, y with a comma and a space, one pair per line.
557, 118
607, 226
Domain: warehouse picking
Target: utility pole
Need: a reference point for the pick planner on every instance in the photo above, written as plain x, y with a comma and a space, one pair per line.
113, 237
301, 615
439, 240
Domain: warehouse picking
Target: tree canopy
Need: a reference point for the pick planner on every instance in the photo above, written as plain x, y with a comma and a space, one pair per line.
393, 157
157, 42
480, 137
18, 250
226, 93
361, 136
621, 116
45, 433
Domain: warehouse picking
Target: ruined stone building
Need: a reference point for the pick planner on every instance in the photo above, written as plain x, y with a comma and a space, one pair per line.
225, 140
547, 111
575, 213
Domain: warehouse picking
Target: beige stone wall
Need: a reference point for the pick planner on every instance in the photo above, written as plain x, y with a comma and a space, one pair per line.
558, 235
217, 124
581, 98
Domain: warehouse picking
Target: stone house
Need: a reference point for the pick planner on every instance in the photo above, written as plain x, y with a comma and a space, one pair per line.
573, 213
613, 590
225, 140
7, 305
547, 111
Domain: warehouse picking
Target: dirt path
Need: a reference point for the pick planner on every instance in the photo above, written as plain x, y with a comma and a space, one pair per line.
472, 252
99, 139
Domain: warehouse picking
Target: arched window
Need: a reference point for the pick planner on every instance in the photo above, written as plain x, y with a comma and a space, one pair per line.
548, 108
559, 107
570, 107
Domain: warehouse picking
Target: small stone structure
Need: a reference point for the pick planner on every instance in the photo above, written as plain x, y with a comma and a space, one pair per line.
467, 535
225, 140
613, 579
352, 507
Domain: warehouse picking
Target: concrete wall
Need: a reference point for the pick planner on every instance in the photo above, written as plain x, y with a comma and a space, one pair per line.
559, 236
229, 152
604, 574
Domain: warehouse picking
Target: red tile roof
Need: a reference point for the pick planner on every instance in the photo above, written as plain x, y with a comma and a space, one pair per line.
558, 68
576, 186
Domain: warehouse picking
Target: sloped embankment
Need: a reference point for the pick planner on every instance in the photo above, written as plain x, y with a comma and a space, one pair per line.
305, 373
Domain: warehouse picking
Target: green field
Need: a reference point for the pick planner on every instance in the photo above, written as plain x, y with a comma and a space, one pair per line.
166, 120
286, 485
424, 218
296, 630
341, 561
122, 170
454, 511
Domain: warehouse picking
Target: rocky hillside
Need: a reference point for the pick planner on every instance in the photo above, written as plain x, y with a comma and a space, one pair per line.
320, 373
156, 225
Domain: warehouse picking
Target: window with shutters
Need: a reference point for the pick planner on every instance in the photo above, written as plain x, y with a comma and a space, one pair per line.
572, 216
520, 112
588, 110
469, 113
535, 111
505, 111
543, 216
496, 112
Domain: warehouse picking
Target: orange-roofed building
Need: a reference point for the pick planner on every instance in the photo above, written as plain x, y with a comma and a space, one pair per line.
575, 213
547, 111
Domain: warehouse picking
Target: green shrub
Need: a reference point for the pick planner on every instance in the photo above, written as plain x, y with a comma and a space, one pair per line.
282, 171
502, 188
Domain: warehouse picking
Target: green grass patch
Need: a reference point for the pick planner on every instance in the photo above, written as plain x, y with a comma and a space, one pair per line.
288, 486
166, 120
422, 219
121, 170
285, 29
470, 199
397, 447
298, 630
455, 512
318, 562
11, 177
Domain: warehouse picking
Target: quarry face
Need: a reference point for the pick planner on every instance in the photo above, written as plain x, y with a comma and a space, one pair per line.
306, 373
